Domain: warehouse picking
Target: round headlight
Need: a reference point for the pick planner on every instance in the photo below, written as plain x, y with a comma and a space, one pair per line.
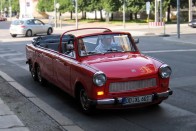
165, 71
99, 78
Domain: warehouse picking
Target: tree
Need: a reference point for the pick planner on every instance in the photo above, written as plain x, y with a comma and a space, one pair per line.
14, 5
173, 4
42, 6
93, 6
67, 6
111, 6
83, 7
99, 7
135, 6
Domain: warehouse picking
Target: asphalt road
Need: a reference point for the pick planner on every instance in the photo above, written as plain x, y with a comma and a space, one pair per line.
176, 113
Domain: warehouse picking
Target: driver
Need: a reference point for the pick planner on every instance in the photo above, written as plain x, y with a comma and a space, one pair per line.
81, 47
105, 44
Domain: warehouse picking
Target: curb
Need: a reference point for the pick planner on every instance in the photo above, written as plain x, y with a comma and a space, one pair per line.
63, 121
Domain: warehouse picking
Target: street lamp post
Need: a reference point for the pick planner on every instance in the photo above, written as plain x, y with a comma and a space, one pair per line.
76, 11
57, 7
5, 9
178, 18
156, 11
161, 13
124, 14
190, 10
10, 9
55, 13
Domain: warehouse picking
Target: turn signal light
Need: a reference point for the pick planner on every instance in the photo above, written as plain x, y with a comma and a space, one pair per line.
99, 93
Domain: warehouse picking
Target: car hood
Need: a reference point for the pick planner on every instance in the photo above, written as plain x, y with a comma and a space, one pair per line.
124, 66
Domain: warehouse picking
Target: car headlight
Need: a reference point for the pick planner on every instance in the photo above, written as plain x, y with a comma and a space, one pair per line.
165, 71
99, 78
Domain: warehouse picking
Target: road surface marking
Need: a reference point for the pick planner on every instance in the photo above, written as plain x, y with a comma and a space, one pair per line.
168, 51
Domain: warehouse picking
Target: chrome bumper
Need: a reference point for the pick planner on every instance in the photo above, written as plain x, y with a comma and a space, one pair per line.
114, 101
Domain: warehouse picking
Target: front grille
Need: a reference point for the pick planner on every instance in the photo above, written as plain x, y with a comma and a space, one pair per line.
132, 85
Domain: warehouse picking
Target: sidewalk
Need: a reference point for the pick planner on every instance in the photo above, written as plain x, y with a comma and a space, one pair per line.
33, 113
8, 120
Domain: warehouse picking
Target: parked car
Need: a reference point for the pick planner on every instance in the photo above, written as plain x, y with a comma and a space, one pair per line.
3, 18
101, 68
192, 23
29, 27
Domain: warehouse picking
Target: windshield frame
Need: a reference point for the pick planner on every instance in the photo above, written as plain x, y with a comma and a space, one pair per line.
133, 47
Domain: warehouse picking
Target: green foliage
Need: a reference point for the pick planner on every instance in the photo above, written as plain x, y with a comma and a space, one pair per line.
45, 5
111, 5
94, 5
135, 6
14, 4
83, 5
66, 6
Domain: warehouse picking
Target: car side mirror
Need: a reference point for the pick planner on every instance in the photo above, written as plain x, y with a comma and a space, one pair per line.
136, 40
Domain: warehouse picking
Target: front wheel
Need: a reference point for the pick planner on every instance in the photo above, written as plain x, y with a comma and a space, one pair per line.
85, 103
28, 33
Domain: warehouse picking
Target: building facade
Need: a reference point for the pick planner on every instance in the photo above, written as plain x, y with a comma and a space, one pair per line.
28, 8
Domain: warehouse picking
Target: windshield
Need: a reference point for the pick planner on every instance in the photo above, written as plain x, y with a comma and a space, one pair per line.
109, 43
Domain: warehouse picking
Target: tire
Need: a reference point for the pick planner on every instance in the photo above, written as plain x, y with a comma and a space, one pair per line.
49, 32
40, 79
28, 33
33, 72
85, 105
13, 35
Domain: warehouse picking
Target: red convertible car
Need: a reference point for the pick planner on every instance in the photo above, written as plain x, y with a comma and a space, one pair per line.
100, 68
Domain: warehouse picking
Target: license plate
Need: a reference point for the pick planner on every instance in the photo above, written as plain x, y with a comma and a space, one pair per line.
137, 100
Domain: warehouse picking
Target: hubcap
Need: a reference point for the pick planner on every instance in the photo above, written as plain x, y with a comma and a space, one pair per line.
29, 33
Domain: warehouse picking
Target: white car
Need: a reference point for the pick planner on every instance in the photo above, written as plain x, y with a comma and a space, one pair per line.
29, 27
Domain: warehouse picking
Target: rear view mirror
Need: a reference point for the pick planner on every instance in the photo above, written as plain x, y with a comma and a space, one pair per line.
136, 40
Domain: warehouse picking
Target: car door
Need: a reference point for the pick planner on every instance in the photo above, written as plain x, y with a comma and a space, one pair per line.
63, 72
63, 66
39, 26
32, 26
47, 65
